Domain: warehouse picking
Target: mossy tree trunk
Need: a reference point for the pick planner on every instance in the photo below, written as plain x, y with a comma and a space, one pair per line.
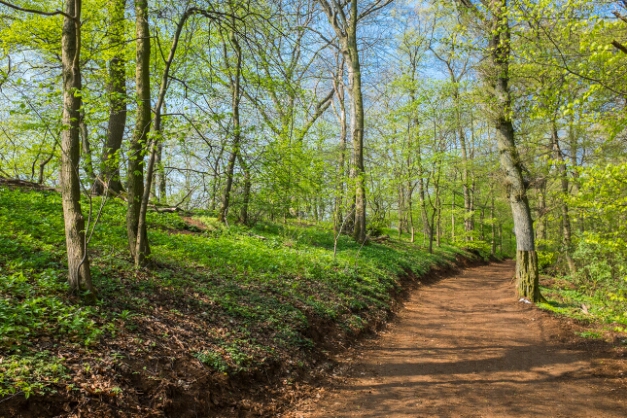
139, 143
235, 69
109, 178
78, 259
357, 126
497, 75
562, 170
343, 17
338, 85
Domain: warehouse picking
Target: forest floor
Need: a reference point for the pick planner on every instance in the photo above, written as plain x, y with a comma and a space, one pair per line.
465, 347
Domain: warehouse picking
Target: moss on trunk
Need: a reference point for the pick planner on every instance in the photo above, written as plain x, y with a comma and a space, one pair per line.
527, 277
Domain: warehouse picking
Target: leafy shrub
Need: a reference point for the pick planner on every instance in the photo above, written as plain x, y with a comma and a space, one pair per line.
480, 248
602, 264
212, 359
547, 254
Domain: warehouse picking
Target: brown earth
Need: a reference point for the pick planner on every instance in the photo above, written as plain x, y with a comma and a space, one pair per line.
465, 347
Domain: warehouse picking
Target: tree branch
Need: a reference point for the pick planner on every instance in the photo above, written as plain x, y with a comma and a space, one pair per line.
619, 46
321, 107
37, 12
373, 8
620, 16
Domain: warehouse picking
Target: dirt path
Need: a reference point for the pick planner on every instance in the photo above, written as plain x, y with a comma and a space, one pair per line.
464, 347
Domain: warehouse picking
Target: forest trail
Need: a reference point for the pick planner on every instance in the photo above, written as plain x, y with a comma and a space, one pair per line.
464, 347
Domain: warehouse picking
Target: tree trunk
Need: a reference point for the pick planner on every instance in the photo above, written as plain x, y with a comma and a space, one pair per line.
401, 209
437, 171
562, 170
493, 223
439, 217
499, 50
78, 258
237, 134
160, 177
88, 164
501, 237
345, 29
226, 195
461, 135
426, 228
215, 184
142, 248
468, 204
109, 178
42, 165
432, 231
410, 210
243, 213
357, 127
338, 218
140, 137
453, 217
481, 221
541, 221
573, 149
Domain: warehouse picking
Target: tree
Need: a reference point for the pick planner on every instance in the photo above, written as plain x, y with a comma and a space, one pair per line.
109, 177
79, 274
343, 18
450, 52
496, 75
138, 237
78, 258
234, 69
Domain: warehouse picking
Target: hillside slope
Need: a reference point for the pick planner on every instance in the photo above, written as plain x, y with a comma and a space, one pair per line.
228, 319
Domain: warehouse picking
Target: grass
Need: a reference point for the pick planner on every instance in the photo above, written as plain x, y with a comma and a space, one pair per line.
236, 299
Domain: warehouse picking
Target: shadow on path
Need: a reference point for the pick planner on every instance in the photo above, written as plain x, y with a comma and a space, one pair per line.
464, 347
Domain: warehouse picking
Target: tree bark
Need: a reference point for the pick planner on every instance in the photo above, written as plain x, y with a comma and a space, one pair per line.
466, 189
453, 216
88, 164
410, 212
344, 23
160, 177
401, 209
493, 222
573, 150
338, 218
424, 215
78, 258
562, 170
426, 226
437, 172
244, 218
541, 209
235, 76
142, 247
109, 178
140, 141
499, 54
357, 127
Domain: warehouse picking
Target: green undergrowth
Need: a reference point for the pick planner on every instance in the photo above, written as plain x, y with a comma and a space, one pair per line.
596, 292
608, 311
234, 298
